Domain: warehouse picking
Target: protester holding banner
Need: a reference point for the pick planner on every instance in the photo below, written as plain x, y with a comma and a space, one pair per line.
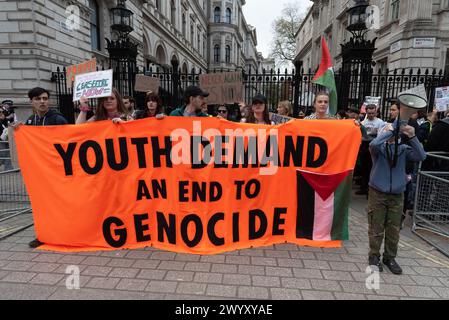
223, 112
285, 108
321, 105
153, 107
244, 113
205, 109
342, 114
194, 99
385, 200
130, 104
109, 108
43, 115
259, 111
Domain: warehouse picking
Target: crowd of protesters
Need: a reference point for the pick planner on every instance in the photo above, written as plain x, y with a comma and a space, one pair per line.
388, 200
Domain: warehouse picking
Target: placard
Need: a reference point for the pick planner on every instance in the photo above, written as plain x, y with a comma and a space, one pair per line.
84, 67
442, 99
93, 85
223, 88
146, 84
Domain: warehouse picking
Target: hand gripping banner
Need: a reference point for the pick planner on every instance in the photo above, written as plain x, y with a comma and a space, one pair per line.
190, 185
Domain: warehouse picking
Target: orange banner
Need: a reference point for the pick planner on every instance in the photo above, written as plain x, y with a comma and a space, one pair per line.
190, 185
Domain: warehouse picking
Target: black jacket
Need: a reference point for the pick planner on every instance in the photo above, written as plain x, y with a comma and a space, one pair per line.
51, 118
439, 136
438, 141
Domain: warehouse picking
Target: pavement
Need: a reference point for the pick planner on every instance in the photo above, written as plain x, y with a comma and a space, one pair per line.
277, 272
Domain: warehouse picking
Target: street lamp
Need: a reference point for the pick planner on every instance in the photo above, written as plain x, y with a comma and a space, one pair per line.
357, 55
123, 51
357, 17
122, 19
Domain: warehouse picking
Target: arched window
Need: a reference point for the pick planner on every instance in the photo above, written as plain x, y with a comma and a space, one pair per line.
216, 53
228, 54
160, 56
217, 14
94, 26
228, 15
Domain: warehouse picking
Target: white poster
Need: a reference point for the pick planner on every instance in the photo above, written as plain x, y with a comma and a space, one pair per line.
370, 100
93, 85
442, 99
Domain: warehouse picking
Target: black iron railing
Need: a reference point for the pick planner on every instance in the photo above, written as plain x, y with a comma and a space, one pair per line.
297, 87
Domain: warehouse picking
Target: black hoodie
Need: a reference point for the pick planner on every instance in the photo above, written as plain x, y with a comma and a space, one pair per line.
51, 118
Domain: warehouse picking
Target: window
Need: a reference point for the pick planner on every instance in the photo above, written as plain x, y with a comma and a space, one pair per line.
394, 9
204, 46
228, 15
228, 54
198, 40
94, 26
446, 67
216, 53
445, 4
217, 14
158, 5
382, 65
173, 13
192, 33
184, 25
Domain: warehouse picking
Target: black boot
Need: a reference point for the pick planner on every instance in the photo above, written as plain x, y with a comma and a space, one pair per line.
392, 265
374, 261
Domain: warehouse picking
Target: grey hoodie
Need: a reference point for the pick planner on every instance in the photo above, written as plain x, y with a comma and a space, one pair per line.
384, 178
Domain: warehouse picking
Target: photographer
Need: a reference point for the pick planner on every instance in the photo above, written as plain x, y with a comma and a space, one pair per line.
8, 111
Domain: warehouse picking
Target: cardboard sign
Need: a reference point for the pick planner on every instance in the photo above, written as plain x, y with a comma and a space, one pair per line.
146, 84
93, 85
223, 88
278, 119
84, 67
194, 185
442, 99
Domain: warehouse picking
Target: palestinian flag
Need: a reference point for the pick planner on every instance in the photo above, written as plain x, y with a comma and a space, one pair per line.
325, 77
323, 206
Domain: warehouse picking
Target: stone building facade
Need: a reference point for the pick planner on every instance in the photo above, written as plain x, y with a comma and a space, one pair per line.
37, 36
410, 33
